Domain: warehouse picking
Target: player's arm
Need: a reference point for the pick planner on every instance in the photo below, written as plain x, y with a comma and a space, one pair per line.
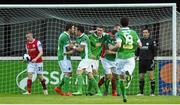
80, 47
110, 52
69, 49
154, 48
40, 52
116, 46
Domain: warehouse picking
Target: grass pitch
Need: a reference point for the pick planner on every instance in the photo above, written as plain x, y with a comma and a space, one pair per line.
57, 99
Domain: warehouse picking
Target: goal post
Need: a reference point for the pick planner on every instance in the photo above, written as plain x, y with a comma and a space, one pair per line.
48, 21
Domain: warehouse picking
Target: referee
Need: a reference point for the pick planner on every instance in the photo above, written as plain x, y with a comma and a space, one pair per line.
146, 61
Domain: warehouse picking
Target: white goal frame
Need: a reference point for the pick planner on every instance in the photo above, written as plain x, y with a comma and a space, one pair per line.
173, 5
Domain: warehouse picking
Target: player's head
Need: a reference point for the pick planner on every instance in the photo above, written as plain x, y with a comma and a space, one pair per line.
146, 32
117, 27
124, 21
70, 28
100, 30
79, 30
113, 34
29, 36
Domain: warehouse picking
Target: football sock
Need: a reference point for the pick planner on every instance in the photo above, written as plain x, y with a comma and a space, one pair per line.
152, 86
118, 86
62, 83
107, 85
29, 84
141, 86
95, 85
80, 83
96, 77
123, 90
113, 84
101, 81
66, 84
43, 84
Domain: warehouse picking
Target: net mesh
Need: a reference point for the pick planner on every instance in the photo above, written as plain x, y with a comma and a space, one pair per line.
48, 23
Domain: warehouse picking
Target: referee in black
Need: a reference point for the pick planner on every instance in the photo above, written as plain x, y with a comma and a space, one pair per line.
146, 56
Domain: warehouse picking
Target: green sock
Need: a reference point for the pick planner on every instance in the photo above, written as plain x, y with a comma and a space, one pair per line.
118, 86
80, 83
122, 88
95, 85
61, 83
96, 77
66, 84
107, 85
90, 86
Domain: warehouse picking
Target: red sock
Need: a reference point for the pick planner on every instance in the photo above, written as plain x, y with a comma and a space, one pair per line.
113, 85
29, 83
101, 81
43, 84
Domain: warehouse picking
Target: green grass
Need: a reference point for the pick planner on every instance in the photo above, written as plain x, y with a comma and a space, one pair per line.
57, 99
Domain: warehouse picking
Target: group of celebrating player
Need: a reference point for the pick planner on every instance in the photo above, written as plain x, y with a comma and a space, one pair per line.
118, 59
116, 51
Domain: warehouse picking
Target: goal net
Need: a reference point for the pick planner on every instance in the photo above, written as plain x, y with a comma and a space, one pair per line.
48, 21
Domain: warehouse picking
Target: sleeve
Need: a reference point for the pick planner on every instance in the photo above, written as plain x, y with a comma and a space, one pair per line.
137, 51
118, 39
39, 45
154, 48
26, 48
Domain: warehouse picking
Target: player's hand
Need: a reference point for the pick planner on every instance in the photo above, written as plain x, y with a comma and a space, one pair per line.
71, 45
34, 60
111, 47
98, 44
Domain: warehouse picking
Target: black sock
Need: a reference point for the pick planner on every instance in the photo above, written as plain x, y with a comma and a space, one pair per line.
141, 86
152, 86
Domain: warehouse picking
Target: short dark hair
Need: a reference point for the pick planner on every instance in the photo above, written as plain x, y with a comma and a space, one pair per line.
114, 32
146, 28
68, 26
100, 26
116, 25
80, 28
124, 21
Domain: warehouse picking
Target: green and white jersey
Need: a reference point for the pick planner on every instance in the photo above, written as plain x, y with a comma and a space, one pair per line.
84, 40
129, 43
110, 57
94, 39
63, 43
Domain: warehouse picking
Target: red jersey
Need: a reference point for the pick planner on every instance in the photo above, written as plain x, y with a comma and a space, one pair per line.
104, 48
33, 49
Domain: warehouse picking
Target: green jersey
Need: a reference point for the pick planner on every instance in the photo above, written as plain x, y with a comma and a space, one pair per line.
110, 57
84, 40
63, 43
129, 43
94, 39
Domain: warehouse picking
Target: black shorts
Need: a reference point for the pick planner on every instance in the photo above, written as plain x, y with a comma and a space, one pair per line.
145, 65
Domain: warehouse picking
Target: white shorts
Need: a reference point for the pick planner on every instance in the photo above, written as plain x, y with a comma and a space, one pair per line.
35, 68
85, 64
109, 66
125, 65
95, 64
65, 65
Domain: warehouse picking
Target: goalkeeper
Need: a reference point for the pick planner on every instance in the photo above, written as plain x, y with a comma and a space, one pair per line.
84, 47
146, 61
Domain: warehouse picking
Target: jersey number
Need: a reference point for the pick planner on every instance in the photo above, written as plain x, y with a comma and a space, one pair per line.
128, 42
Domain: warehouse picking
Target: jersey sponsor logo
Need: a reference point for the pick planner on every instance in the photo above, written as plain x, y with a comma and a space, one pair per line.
144, 47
